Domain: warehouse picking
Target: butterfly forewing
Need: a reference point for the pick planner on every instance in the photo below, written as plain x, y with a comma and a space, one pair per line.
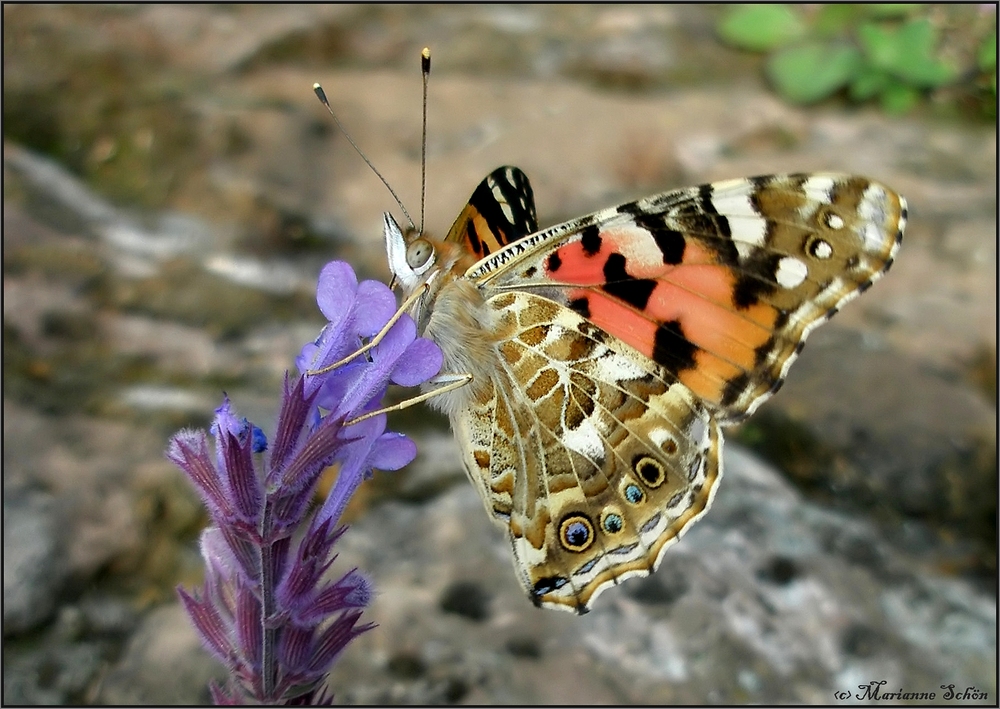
718, 284
500, 211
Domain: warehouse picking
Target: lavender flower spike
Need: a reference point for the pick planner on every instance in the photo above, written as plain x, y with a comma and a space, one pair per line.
268, 610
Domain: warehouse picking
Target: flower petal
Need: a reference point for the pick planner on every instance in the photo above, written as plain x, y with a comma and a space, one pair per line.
392, 451
353, 457
374, 306
336, 291
421, 361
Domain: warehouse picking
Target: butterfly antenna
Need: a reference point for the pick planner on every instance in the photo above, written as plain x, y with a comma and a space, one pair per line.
425, 70
321, 95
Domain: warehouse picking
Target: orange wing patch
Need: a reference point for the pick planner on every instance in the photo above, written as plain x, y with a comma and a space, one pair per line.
681, 315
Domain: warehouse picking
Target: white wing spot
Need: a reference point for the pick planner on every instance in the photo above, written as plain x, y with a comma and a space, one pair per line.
502, 201
818, 188
821, 249
585, 440
791, 272
834, 221
874, 212
659, 436
874, 237
699, 431
745, 222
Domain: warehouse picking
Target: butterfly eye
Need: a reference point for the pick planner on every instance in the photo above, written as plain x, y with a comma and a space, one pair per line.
420, 255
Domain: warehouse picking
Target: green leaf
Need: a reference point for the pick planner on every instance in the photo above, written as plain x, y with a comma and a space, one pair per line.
887, 10
834, 19
868, 83
761, 27
907, 53
878, 45
810, 72
898, 98
918, 61
987, 55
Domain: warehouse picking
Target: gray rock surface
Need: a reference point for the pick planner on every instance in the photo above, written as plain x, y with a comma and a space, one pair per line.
770, 598
33, 570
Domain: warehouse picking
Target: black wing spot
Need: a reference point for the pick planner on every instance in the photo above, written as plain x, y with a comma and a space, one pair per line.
581, 306
757, 281
762, 352
672, 349
547, 585
590, 240
634, 291
554, 263
670, 241
747, 292
474, 240
734, 388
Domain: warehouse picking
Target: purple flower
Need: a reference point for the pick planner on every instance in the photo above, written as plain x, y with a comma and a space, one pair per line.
267, 609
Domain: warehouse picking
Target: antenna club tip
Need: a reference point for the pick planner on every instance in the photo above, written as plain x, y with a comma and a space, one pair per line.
425, 59
316, 86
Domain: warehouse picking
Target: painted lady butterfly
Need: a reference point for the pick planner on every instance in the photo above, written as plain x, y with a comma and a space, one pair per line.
605, 353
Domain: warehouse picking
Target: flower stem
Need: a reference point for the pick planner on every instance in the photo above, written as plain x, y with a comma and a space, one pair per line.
268, 667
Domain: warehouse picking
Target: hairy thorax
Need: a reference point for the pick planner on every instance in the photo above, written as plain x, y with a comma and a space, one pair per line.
455, 316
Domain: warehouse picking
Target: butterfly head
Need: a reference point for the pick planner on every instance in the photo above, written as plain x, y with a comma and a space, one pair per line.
418, 261
411, 261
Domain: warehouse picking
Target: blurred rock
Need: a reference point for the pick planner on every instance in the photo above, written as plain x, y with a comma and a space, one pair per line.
34, 568
163, 663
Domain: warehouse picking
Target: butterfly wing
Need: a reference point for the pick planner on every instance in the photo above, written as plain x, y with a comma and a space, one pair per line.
500, 211
611, 348
718, 284
594, 461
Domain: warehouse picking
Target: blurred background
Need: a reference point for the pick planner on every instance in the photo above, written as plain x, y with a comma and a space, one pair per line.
172, 188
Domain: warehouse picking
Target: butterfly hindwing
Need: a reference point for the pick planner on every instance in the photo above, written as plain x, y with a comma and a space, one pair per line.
593, 461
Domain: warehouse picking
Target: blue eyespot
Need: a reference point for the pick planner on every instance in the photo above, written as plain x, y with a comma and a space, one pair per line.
633, 494
576, 532
612, 523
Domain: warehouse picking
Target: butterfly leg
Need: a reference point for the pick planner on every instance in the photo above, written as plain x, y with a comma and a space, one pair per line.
448, 382
407, 304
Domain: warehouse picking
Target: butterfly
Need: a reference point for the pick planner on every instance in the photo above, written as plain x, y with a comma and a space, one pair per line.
605, 354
